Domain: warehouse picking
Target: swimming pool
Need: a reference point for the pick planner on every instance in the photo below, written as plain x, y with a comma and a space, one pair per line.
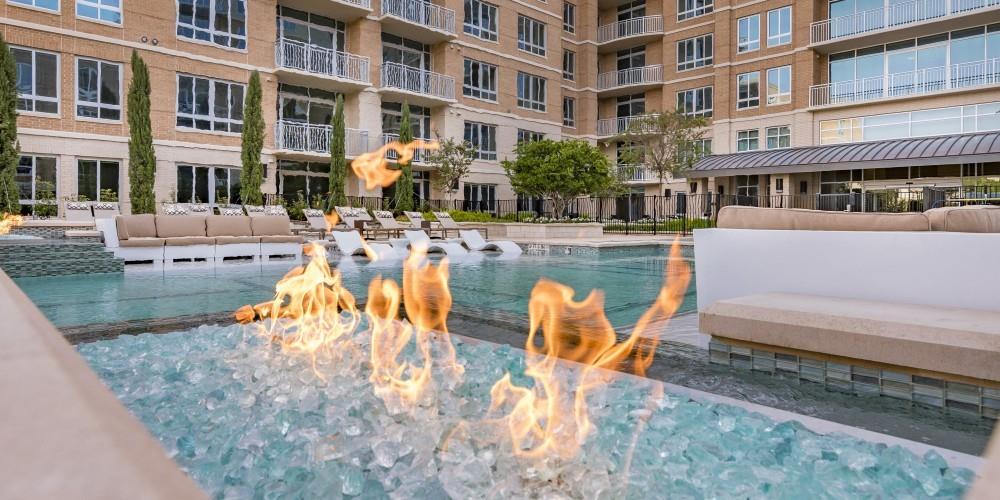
630, 278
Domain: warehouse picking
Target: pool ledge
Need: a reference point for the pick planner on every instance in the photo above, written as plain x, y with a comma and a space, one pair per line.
65, 434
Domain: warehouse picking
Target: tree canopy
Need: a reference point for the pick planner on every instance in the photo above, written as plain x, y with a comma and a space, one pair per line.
252, 174
404, 184
560, 171
666, 143
451, 162
9, 149
338, 158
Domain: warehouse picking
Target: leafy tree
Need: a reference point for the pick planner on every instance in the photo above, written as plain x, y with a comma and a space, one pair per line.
141, 156
560, 171
338, 159
666, 143
252, 174
451, 162
9, 149
404, 184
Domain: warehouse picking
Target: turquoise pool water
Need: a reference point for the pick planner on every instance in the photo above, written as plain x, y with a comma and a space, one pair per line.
631, 278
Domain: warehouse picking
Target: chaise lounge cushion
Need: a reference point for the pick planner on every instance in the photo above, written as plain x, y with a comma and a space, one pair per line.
735, 217
282, 239
139, 226
179, 226
181, 241
236, 240
141, 243
271, 225
228, 225
967, 219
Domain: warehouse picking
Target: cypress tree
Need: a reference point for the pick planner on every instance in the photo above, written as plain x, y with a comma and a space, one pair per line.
338, 158
141, 157
252, 174
9, 149
404, 185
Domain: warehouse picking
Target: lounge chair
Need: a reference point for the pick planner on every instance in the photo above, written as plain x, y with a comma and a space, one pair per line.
474, 241
349, 243
449, 224
419, 238
417, 221
232, 211
199, 209
106, 209
387, 224
317, 223
254, 210
175, 209
275, 210
350, 215
78, 211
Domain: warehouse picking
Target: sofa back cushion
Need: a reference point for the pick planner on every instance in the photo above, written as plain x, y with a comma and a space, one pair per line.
140, 226
228, 225
967, 219
121, 227
734, 217
179, 226
271, 225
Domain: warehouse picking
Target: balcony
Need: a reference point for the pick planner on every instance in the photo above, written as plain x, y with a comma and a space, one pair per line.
611, 127
623, 34
417, 86
900, 21
637, 174
629, 80
343, 10
419, 155
956, 77
306, 140
418, 20
318, 67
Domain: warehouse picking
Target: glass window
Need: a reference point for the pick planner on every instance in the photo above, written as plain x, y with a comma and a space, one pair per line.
569, 112
530, 35
778, 137
95, 179
37, 80
420, 120
686, 9
109, 11
484, 138
34, 176
779, 85
748, 90
480, 80
313, 30
630, 105
569, 65
302, 105
747, 185
569, 17
747, 140
530, 92
480, 197
204, 184
480, 20
779, 26
694, 52
98, 89
528, 136
748, 32
206, 104
220, 22
410, 53
695, 102
41, 4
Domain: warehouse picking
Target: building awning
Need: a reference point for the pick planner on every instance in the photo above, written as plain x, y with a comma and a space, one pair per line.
940, 150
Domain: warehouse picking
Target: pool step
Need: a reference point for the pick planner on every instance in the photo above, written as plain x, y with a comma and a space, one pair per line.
57, 259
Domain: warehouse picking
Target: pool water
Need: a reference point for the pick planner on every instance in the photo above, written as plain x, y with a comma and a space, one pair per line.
630, 279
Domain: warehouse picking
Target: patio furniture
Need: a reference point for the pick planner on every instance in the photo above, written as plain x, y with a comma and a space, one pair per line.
132, 238
233, 238
417, 221
175, 209
275, 210
349, 243
739, 217
78, 211
387, 224
105, 209
316, 223
350, 216
198, 208
416, 237
276, 238
474, 241
254, 210
965, 219
449, 224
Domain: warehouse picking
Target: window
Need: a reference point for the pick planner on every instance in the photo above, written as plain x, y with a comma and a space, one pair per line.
803, 187
779, 185
310, 178
694, 187
967, 119
779, 26
212, 185
206, 104
779, 85
530, 92
392, 117
37, 80
778, 137
528, 136
695, 102
98, 89
694, 52
409, 53
480, 20
569, 65
34, 176
531, 35
304, 105
569, 17
686, 9
310, 30
221, 22
484, 138
747, 140
569, 112
41, 4
109, 11
481, 197
97, 178
630, 105
748, 32
748, 90
480, 80
702, 147
747, 185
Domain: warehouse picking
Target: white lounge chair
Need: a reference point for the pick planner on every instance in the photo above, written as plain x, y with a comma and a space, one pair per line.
387, 223
254, 210
350, 215
350, 243
106, 209
416, 237
317, 222
474, 241
78, 211
449, 224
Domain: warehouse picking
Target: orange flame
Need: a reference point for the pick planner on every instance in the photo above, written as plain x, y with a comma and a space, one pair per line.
547, 420
373, 167
331, 220
9, 221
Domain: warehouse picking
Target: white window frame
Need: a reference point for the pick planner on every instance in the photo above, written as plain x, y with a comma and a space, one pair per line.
779, 97
483, 93
778, 135
99, 161
526, 41
211, 30
707, 44
749, 44
24, 5
531, 100
745, 137
482, 135
211, 106
483, 11
690, 9
706, 112
569, 21
750, 101
96, 4
98, 105
779, 38
34, 85
525, 135
569, 104
569, 65
211, 201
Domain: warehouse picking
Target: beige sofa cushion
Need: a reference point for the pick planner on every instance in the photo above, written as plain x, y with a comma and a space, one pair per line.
735, 217
967, 219
183, 241
121, 227
228, 225
139, 226
271, 225
141, 243
179, 226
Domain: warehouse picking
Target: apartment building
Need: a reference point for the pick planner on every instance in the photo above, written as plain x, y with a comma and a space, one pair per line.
772, 76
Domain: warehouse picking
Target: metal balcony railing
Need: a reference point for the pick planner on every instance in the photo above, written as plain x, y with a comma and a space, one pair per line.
642, 75
922, 81
631, 27
422, 13
620, 125
307, 137
419, 155
420, 81
300, 56
364, 4
891, 17
637, 173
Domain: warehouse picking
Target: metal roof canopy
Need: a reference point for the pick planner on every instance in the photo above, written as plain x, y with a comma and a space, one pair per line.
939, 150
